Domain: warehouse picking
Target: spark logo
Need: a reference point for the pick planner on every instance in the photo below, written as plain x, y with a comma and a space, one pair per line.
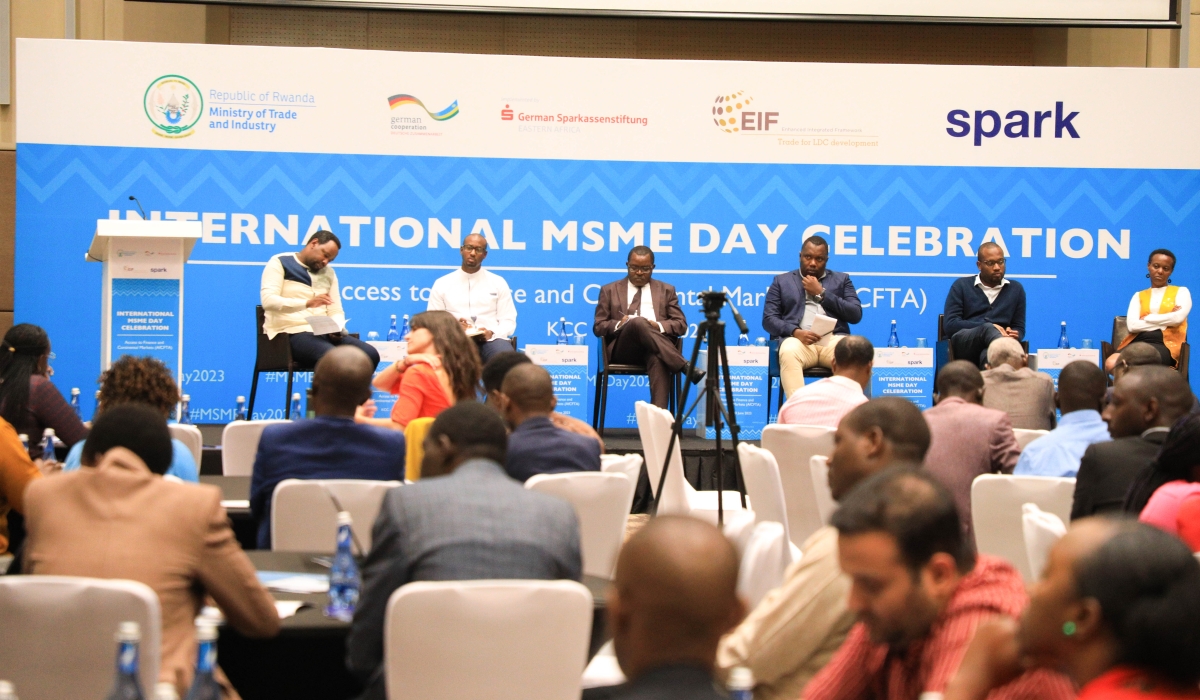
506, 114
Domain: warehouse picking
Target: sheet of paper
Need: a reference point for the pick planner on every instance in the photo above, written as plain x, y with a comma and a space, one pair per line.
287, 608
323, 325
287, 582
823, 326
235, 503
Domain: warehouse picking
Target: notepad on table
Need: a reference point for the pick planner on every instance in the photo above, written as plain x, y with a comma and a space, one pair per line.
290, 582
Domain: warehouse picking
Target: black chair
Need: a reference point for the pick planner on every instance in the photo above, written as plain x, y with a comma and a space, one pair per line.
1120, 330
944, 352
604, 370
773, 374
273, 355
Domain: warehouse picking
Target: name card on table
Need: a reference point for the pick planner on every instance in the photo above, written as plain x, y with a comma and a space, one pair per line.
390, 351
1051, 361
748, 375
904, 372
568, 368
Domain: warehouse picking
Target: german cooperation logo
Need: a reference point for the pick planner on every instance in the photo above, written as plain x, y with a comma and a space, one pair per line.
415, 124
732, 114
174, 105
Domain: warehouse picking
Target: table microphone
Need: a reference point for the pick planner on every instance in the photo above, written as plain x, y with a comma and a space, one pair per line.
135, 201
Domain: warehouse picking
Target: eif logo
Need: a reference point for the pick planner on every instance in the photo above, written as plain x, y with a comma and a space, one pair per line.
732, 114
1016, 124
506, 114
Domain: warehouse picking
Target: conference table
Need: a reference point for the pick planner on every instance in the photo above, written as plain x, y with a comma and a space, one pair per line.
235, 496
307, 658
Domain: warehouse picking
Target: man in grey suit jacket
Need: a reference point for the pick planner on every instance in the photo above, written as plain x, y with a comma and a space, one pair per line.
465, 520
794, 300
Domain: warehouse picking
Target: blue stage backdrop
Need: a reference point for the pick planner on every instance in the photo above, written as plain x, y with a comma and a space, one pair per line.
559, 226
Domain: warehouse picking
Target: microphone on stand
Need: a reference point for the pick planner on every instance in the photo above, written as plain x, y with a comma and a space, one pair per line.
135, 201
741, 322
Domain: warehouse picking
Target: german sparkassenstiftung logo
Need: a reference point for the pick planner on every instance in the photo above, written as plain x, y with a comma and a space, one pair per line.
174, 105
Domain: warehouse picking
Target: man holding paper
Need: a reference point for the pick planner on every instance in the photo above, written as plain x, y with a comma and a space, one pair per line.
810, 309
481, 300
299, 294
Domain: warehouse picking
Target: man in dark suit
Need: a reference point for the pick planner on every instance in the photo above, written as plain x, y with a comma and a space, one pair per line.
795, 299
1146, 401
464, 520
329, 446
640, 321
536, 445
983, 308
674, 595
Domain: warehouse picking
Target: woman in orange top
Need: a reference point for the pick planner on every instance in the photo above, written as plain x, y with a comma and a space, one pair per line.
440, 369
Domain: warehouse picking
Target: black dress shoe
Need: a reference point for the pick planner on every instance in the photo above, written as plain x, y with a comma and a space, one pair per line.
694, 375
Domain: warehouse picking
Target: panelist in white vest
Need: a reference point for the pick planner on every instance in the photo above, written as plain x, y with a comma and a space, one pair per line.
479, 299
298, 285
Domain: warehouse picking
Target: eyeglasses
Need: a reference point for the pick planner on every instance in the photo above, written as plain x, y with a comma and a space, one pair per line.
640, 268
473, 249
992, 263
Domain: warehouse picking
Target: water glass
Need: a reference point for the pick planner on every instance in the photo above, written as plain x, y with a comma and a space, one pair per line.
1086, 344
921, 343
579, 339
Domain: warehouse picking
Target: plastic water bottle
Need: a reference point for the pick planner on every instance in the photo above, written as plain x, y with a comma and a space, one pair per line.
297, 412
165, 691
893, 338
239, 413
743, 340
75, 403
1062, 337
185, 409
127, 685
760, 342
741, 683
204, 685
24, 442
344, 581
403, 328
48, 445
8, 691
392, 333
563, 339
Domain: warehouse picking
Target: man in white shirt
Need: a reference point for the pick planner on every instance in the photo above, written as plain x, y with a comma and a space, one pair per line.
298, 285
641, 323
479, 299
826, 401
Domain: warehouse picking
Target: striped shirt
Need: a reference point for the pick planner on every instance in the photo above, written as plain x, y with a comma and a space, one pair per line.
863, 670
823, 402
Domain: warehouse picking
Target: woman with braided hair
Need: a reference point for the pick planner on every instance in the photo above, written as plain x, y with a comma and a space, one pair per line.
28, 399
1167, 494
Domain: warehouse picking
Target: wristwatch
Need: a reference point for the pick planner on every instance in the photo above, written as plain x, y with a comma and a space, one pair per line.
819, 297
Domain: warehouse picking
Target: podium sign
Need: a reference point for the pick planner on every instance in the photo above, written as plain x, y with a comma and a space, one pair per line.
748, 375
568, 368
142, 294
1052, 361
904, 372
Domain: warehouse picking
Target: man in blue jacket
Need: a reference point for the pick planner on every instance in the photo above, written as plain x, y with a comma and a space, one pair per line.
795, 299
536, 445
982, 308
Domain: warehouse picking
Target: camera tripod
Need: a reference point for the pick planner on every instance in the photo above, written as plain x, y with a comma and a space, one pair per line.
712, 329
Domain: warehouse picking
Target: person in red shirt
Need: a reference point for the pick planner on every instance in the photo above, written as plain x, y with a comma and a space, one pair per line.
919, 591
440, 369
1117, 608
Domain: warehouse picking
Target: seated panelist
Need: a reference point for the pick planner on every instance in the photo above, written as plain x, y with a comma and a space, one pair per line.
640, 320
794, 301
983, 308
480, 299
298, 285
1158, 315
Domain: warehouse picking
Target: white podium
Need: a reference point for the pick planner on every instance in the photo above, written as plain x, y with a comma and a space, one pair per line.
142, 295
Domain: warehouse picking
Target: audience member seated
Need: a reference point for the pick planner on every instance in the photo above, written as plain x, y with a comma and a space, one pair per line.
1134, 355
825, 401
120, 519
797, 627
919, 591
330, 445
674, 595
497, 369
440, 369
536, 445
147, 381
1010, 386
17, 471
1146, 402
967, 439
1116, 610
1081, 388
1171, 480
28, 399
464, 520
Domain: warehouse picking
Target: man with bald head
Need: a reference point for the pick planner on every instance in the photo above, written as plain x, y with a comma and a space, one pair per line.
329, 446
480, 299
968, 439
674, 595
797, 627
536, 445
1080, 397
1146, 401
1009, 385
